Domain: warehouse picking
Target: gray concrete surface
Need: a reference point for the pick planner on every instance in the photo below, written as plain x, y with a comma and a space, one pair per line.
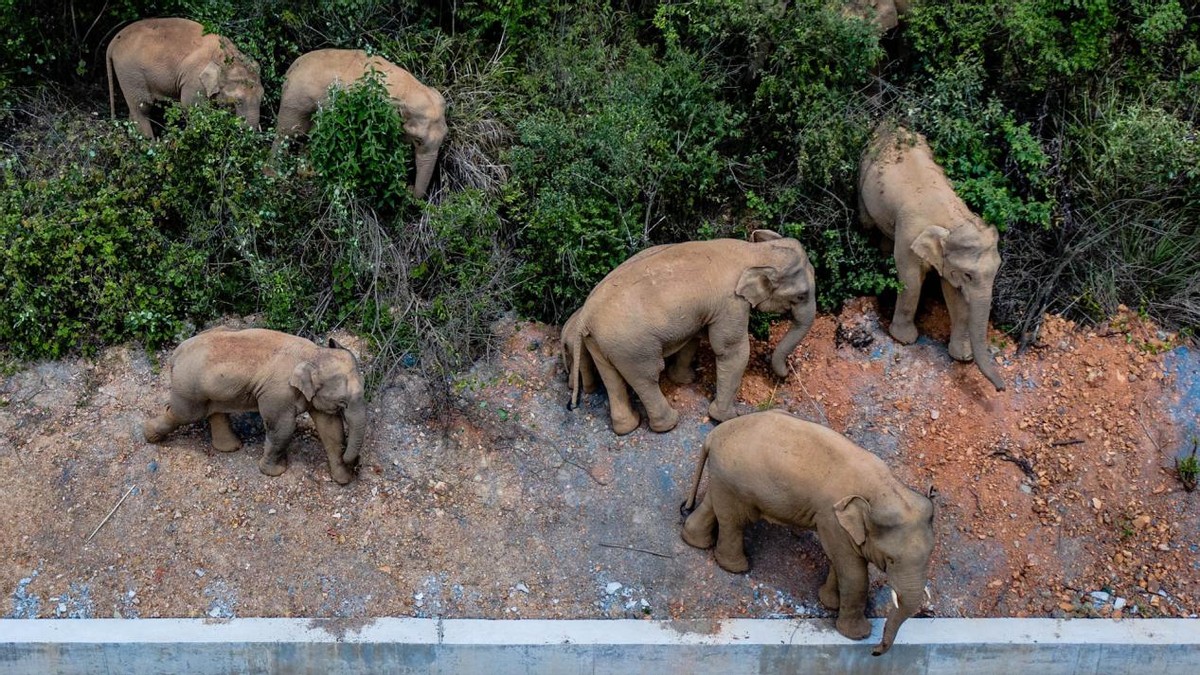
978, 646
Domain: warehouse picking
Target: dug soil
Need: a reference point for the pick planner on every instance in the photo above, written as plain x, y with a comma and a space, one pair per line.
1057, 497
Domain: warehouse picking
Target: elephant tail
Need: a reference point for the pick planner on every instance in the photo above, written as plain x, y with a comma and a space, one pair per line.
690, 505
574, 375
112, 103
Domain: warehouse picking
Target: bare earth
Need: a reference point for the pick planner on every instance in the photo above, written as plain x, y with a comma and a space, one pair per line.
1055, 498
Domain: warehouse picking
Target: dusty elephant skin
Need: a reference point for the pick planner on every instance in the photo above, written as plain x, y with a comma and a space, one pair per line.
655, 305
222, 371
885, 14
776, 467
903, 192
174, 60
306, 85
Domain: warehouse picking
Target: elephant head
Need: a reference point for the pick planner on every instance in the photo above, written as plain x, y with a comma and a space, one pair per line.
895, 532
233, 79
783, 282
967, 258
424, 127
331, 383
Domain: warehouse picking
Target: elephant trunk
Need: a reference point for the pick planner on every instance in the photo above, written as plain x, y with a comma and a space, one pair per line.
248, 110
981, 309
355, 420
909, 595
803, 314
426, 159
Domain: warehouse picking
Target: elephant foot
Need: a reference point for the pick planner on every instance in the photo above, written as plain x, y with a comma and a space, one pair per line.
904, 332
227, 444
153, 431
624, 424
666, 422
854, 627
272, 468
698, 537
684, 375
721, 415
961, 351
829, 597
340, 474
733, 563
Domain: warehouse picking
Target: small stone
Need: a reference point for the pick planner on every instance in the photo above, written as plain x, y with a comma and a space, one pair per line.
1119, 604
1100, 596
612, 587
1164, 547
1096, 503
199, 572
1026, 488
522, 588
271, 512
934, 414
222, 489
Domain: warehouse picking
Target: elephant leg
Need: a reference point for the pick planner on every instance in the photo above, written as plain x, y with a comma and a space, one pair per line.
139, 112
732, 519
732, 347
700, 528
179, 411
912, 276
828, 594
851, 579
280, 428
680, 370
960, 317
624, 418
223, 438
587, 371
333, 437
662, 416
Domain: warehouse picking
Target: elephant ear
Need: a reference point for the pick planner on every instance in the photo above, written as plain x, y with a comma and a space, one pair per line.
764, 235
304, 378
756, 284
210, 79
852, 513
930, 246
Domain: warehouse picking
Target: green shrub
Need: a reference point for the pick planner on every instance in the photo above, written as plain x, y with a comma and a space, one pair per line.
357, 145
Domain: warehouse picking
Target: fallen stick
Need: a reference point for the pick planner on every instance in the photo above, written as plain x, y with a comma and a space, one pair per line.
639, 550
1073, 441
110, 514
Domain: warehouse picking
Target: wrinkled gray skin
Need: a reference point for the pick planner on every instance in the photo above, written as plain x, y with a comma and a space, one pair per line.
656, 305
222, 371
903, 192
306, 86
884, 14
173, 60
776, 467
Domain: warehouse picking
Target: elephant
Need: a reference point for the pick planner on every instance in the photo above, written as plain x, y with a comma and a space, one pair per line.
655, 306
884, 14
777, 467
904, 193
173, 59
223, 370
306, 86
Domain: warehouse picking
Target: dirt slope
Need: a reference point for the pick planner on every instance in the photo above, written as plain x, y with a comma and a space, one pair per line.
1055, 489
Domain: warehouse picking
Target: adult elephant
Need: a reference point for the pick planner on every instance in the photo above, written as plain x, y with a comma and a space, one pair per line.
306, 86
777, 467
174, 60
657, 304
903, 192
222, 371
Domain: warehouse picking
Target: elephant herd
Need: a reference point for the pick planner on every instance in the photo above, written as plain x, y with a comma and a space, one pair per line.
647, 316
173, 59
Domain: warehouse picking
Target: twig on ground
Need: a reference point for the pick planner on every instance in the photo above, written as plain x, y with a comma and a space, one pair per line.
1024, 464
1071, 441
110, 514
639, 550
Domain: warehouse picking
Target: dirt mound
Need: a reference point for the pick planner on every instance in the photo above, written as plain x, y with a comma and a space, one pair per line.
1056, 497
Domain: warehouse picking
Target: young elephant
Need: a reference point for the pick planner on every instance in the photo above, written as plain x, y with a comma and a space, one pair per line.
173, 59
223, 371
306, 86
903, 192
656, 304
773, 466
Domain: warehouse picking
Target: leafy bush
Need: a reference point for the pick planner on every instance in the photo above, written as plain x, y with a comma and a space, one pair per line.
357, 145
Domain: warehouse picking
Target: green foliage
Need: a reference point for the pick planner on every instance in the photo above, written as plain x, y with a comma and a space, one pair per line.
84, 260
357, 145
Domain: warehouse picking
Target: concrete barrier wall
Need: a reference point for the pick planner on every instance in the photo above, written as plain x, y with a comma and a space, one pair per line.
453, 646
